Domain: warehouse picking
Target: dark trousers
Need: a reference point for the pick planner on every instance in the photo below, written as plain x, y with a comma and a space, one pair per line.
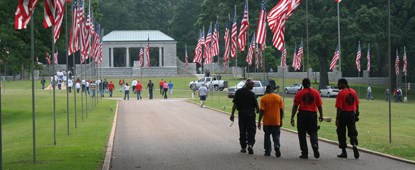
150, 93
43, 86
247, 128
165, 93
110, 92
69, 89
161, 89
307, 124
347, 119
127, 95
274, 131
133, 87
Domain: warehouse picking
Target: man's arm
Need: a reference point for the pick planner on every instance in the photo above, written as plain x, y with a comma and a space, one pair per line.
281, 116
338, 116
294, 110
357, 113
261, 114
233, 112
320, 110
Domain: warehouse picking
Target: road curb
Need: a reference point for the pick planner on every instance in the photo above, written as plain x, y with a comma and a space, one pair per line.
108, 154
332, 142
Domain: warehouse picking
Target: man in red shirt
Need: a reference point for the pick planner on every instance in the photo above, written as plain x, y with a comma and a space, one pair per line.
110, 88
307, 101
161, 83
138, 88
347, 104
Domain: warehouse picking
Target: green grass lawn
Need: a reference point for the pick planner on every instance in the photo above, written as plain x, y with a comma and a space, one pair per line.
84, 148
373, 125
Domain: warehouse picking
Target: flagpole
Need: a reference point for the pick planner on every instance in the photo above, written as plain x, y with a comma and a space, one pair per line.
306, 26
74, 94
33, 87
53, 86
67, 67
406, 80
338, 30
390, 70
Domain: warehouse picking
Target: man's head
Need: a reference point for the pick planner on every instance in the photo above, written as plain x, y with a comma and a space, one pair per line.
268, 89
149, 81
249, 84
342, 83
306, 83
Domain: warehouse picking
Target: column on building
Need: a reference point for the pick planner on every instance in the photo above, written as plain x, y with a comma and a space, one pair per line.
112, 57
127, 57
160, 58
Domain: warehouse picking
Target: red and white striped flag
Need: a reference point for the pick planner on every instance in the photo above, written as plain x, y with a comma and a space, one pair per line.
141, 57
244, 28
251, 51
55, 58
208, 42
294, 65
368, 59
81, 30
24, 12
47, 56
358, 56
87, 34
60, 10
49, 13
261, 32
404, 69
338, 1
299, 57
397, 64
284, 58
148, 52
335, 58
199, 48
234, 36
227, 40
73, 37
256, 53
214, 50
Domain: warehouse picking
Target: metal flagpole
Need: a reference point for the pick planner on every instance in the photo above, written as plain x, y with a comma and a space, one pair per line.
67, 67
86, 89
338, 30
32, 38
236, 47
1, 134
54, 90
306, 26
74, 94
83, 88
390, 70
406, 80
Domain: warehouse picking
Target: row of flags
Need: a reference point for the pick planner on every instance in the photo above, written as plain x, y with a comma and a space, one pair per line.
141, 55
397, 63
358, 57
84, 36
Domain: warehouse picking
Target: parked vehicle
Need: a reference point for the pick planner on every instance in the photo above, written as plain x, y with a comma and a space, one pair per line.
294, 88
210, 82
329, 91
259, 87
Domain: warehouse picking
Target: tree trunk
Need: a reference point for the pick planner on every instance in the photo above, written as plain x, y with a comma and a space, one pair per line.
324, 77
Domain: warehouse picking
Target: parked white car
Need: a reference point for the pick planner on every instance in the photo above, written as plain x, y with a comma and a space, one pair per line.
294, 88
259, 88
329, 91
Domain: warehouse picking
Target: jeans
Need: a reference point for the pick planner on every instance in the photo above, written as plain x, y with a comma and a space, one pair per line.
369, 96
165, 93
92, 93
247, 128
347, 119
171, 91
83, 88
307, 124
77, 90
275, 132
110, 92
127, 95
69, 89
138, 95
150, 93
101, 91
59, 86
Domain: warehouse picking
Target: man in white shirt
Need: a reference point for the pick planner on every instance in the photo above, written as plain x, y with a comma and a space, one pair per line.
133, 84
203, 91
369, 93
83, 82
70, 84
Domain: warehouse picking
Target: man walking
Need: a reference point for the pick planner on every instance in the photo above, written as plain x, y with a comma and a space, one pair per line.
271, 109
369, 93
246, 104
43, 81
70, 84
165, 88
111, 88
161, 83
133, 84
307, 101
203, 92
170, 87
347, 104
138, 89
150, 86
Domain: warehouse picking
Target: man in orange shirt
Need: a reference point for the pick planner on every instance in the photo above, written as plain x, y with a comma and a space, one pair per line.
307, 101
271, 109
347, 104
161, 83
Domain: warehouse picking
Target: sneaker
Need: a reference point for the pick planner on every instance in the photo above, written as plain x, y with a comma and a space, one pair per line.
277, 152
243, 150
267, 154
342, 155
250, 150
316, 154
303, 157
355, 152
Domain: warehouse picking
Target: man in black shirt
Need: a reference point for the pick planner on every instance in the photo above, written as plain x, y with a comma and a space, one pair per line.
246, 104
150, 86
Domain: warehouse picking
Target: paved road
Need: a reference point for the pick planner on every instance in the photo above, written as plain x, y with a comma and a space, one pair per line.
175, 134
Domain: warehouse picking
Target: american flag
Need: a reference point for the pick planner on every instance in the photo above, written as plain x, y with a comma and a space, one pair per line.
404, 69
397, 64
251, 51
148, 52
338, 1
294, 65
96, 44
141, 57
243, 29
186, 57
335, 58
299, 57
199, 48
358, 56
55, 58
47, 56
261, 32
49, 13
60, 9
74, 29
284, 58
368, 59
24, 11
87, 33
208, 43
277, 17
234, 36
227, 40
81, 28
214, 51
256, 52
